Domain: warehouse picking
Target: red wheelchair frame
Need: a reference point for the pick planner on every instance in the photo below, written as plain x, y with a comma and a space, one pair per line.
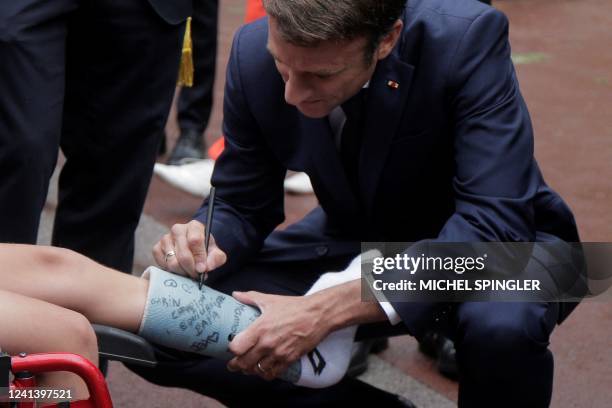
24, 368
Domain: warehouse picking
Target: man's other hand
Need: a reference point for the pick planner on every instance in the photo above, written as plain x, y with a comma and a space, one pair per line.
289, 327
182, 250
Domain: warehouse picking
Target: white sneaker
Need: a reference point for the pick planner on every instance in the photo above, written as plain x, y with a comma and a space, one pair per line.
193, 177
298, 183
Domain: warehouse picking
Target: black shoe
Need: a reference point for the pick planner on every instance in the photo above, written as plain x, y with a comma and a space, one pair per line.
361, 350
441, 348
405, 402
189, 147
447, 359
379, 345
428, 344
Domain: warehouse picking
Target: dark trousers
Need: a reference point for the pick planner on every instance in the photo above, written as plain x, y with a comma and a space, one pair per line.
501, 347
195, 103
95, 78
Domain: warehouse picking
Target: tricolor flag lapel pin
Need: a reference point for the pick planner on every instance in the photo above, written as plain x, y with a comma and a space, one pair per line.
393, 84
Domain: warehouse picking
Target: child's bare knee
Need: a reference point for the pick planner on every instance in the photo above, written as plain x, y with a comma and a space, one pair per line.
54, 258
83, 339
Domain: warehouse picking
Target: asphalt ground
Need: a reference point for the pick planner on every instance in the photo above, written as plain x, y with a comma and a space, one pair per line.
562, 51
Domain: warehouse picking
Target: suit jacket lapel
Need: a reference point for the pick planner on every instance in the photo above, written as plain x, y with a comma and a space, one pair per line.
384, 108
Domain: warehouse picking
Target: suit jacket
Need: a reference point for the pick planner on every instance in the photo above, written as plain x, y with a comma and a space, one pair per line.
446, 156
173, 11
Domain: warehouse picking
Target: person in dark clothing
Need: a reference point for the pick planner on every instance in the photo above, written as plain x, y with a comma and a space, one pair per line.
195, 103
95, 79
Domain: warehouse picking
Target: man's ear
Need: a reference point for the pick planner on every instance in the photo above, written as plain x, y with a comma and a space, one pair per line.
388, 42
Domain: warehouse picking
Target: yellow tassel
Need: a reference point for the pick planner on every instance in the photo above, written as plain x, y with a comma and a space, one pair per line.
186, 69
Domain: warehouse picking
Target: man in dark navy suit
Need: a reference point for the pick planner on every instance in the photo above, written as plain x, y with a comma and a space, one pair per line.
95, 78
409, 121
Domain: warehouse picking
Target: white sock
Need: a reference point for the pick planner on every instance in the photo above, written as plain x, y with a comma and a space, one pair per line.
327, 364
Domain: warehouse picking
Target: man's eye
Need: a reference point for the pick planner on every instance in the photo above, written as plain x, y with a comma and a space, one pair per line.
324, 76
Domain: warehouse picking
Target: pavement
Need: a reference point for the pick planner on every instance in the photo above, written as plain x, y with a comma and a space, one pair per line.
562, 52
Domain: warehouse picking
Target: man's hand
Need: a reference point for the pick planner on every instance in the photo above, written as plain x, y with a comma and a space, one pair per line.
182, 251
289, 327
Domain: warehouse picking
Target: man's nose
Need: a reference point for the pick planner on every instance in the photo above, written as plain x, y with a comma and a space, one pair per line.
297, 90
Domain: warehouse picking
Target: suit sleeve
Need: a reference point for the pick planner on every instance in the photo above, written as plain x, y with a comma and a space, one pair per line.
247, 176
496, 178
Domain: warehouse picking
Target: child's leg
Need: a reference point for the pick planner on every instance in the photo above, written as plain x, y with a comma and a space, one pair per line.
179, 315
34, 326
73, 281
202, 322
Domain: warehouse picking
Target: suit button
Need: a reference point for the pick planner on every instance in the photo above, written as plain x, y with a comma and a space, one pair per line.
322, 250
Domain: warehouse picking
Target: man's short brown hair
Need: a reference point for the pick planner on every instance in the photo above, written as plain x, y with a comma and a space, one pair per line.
309, 22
